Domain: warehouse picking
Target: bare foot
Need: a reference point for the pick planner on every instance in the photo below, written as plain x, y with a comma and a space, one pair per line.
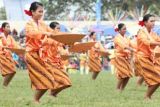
36, 101
4, 87
147, 98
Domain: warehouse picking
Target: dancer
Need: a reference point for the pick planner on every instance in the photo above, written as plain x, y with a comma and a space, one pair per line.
94, 62
41, 72
7, 64
147, 40
122, 57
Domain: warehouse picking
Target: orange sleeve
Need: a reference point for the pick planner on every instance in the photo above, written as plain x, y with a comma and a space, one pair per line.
32, 32
156, 37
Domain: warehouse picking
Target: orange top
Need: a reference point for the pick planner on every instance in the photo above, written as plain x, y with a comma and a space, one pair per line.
120, 44
144, 38
35, 38
36, 41
8, 42
34, 35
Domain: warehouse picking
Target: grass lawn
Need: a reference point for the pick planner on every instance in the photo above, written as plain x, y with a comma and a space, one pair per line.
84, 93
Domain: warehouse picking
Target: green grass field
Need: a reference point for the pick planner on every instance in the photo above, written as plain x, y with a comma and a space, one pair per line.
84, 93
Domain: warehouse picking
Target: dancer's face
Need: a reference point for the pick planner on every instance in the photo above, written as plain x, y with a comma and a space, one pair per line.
7, 28
94, 36
57, 28
122, 31
37, 14
150, 23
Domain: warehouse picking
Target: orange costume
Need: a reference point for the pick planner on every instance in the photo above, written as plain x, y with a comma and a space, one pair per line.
121, 60
42, 73
7, 64
94, 62
150, 67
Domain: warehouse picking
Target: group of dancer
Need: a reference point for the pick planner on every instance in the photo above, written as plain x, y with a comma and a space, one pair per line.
46, 68
43, 55
138, 56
